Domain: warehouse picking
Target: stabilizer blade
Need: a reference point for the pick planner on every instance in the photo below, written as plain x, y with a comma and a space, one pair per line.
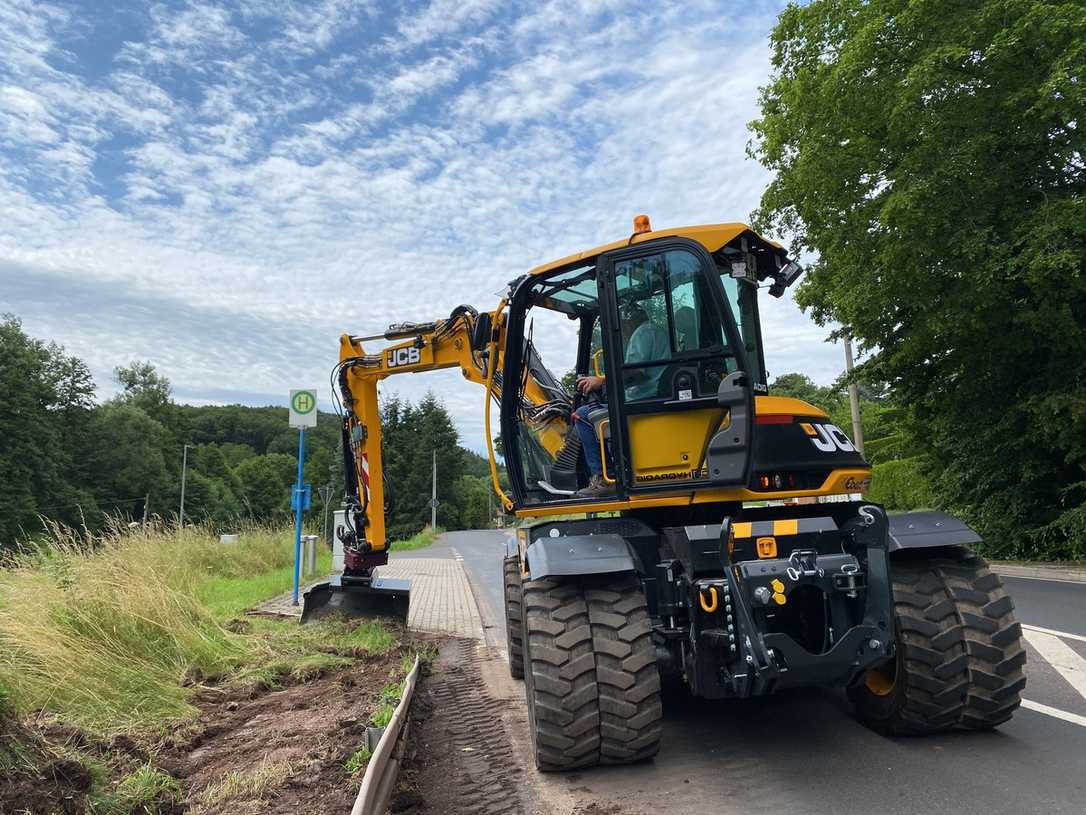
376, 597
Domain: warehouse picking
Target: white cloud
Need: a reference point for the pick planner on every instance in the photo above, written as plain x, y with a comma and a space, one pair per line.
328, 176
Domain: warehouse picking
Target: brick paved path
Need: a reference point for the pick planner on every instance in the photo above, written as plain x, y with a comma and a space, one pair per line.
441, 598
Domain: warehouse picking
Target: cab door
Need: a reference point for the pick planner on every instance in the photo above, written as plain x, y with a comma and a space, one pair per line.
680, 398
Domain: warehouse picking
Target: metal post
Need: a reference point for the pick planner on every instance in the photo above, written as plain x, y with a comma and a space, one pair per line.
146, 507
311, 554
433, 497
853, 398
184, 467
298, 514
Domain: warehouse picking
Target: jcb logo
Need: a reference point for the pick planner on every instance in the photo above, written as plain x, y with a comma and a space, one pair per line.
403, 356
828, 438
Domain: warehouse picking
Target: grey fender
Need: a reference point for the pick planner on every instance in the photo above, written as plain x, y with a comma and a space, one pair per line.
572, 555
511, 549
924, 530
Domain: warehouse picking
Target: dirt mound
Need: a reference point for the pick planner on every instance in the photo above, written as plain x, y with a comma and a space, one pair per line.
34, 778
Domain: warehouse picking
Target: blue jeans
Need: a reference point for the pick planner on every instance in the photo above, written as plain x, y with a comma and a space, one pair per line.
589, 443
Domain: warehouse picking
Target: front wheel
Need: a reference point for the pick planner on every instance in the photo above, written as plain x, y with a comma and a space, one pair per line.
959, 654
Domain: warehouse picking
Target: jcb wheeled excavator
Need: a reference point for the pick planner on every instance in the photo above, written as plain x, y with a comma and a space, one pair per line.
734, 554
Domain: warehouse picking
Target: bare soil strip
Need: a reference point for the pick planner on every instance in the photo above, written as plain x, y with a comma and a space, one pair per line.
281, 751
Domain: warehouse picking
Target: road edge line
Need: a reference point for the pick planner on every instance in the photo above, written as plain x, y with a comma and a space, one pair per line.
1067, 635
381, 772
1054, 712
1034, 573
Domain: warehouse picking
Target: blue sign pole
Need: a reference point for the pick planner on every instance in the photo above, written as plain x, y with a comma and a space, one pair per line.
298, 504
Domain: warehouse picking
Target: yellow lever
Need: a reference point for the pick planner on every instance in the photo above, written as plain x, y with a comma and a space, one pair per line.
596, 362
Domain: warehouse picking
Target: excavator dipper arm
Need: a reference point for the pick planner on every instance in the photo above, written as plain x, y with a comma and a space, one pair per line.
465, 339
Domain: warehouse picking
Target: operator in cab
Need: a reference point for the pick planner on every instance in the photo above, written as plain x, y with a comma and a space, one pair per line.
644, 341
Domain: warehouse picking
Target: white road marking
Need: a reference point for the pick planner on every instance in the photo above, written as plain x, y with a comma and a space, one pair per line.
1060, 656
1062, 634
1047, 579
1056, 713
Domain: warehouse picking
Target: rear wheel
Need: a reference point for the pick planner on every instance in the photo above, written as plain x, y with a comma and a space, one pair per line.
959, 654
514, 633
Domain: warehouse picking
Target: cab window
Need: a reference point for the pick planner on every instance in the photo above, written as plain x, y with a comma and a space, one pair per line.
743, 299
669, 322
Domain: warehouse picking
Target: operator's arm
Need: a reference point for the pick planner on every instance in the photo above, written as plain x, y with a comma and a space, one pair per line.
638, 349
648, 343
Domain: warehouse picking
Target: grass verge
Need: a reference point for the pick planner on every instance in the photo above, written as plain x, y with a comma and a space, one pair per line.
108, 637
106, 632
419, 540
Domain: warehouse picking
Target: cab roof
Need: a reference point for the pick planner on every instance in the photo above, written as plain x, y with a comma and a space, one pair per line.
711, 236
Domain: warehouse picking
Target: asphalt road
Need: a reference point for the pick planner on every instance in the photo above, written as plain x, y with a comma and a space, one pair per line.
802, 752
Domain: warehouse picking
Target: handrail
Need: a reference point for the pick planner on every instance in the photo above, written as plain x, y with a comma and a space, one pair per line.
492, 367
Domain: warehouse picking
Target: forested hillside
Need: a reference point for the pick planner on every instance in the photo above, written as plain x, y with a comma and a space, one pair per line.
67, 457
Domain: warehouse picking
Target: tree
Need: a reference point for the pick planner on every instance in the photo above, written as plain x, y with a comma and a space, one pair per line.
31, 457
938, 172
266, 485
410, 435
125, 456
469, 495
800, 386
143, 386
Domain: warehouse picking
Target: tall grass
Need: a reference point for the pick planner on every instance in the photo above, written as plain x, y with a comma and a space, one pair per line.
104, 631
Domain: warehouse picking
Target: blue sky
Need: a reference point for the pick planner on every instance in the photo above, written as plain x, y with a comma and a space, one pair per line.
224, 188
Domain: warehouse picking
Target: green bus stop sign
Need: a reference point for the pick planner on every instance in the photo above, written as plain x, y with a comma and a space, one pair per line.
303, 407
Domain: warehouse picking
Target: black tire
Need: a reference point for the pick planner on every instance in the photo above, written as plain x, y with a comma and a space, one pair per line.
626, 672
959, 653
560, 675
514, 633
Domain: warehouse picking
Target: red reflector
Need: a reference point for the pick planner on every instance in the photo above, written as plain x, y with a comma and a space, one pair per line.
775, 418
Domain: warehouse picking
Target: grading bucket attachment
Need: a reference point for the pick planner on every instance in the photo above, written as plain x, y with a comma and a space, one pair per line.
358, 597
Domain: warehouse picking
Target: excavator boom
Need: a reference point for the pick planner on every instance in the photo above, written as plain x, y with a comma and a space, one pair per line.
466, 339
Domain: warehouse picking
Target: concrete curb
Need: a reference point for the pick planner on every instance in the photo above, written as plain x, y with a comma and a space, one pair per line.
384, 765
1064, 574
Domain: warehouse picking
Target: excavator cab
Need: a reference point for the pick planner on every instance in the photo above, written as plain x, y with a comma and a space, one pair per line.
675, 330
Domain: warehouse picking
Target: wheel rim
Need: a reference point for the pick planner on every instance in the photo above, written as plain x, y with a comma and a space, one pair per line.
879, 682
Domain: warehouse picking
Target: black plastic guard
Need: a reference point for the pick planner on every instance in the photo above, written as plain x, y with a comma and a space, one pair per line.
923, 530
378, 597
575, 555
